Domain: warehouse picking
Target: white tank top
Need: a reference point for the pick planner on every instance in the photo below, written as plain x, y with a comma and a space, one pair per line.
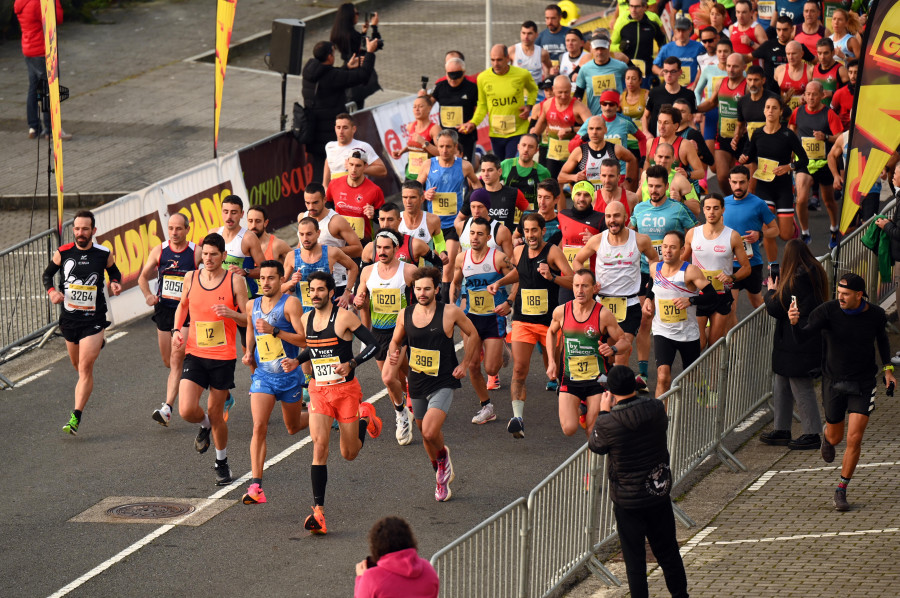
326, 238
567, 65
618, 268
420, 231
233, 247
674, 324
376, 282
713, 256
532, 63
464, 237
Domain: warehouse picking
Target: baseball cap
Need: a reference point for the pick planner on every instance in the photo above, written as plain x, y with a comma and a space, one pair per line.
481, 196
599, 42
620, 380
581, 186
684, 23
610, 95
853, 282
359, 155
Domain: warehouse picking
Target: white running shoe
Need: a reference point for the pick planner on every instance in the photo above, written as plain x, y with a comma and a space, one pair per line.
404, 426
163, 415
485, 414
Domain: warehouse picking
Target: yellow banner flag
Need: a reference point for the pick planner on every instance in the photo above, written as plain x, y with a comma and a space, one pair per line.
48, 20
224, 25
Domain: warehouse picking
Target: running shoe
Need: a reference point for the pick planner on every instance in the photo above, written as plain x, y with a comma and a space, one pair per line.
443, 477
229, 403
485, 414
806, 238
315, 523
201, 443
776, 437
493, 383
367, 410
835, 239
72, 426
516, 427
827, 449
552, 386
640, 384
254, 496
840, 500
404, 426
163, 415
223, 473
582, 414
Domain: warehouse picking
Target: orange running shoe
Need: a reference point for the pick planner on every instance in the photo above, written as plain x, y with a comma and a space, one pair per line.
374, 426
315, 523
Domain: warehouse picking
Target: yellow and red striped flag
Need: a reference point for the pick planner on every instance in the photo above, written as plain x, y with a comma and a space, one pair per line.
48, 20
224, 25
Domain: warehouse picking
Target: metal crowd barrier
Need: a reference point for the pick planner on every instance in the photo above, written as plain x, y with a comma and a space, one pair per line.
852, 256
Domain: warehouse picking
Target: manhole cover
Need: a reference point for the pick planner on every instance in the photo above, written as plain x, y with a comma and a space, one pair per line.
150, 510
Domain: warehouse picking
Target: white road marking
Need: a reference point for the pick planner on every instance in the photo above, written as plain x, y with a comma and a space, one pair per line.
31, 378
697, 540
864, 532
765, 477
219, 494
116, 336
751, 420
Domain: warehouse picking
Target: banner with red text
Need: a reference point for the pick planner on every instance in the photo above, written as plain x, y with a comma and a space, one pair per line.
48, 21
224, 25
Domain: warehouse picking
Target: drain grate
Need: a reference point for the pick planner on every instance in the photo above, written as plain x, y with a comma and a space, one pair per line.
150, 510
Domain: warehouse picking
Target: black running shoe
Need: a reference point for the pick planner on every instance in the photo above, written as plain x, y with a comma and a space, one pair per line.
223, 473
840, 499
827, 450
201, 443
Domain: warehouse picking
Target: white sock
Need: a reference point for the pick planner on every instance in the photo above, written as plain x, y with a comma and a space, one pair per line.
833, 229
166, 408
805, 231
221, 455
205, 423
518, 408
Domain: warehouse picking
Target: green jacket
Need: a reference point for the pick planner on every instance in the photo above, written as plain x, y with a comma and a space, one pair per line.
878, 241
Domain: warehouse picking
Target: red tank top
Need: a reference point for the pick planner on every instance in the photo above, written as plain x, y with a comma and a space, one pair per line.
404, 252
600, 203
557, 118
735, 36
267, 252
426, 134
211, 336
651, 151
797, 85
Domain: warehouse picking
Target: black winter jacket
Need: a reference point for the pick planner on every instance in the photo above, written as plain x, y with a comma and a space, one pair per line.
892, 229
633, 434
789, 358
324, 90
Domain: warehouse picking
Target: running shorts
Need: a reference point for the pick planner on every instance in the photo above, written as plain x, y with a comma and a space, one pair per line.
340, 401
217, 374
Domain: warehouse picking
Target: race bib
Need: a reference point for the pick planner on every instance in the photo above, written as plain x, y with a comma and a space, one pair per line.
765, 9
424, 361
751, 129
583, 368
534, 302
640, 64
269, 347
81, 297
613, 140
748, 247
557, 149
481, 303
727, 127
210, 334
670, 314
601, 83
451, 116
717, 83
444, 204
305, 299
711, 277
765, 170
617, 306
815, 148
503, 124
386, 301
570, 251
358, 225
337, 175
685, 77
171, 287
795, 102
657, 245
323, 370
416, 161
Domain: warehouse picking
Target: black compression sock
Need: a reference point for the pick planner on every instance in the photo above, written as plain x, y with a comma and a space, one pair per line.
483, 403
363, 424
400, 407
77, 414
445, 292
319, 475
256, 481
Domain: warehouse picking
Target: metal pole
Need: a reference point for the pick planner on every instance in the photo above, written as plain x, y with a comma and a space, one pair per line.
283, 100
488, 19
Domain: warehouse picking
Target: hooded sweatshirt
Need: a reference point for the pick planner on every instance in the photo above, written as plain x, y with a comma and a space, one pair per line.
400, 574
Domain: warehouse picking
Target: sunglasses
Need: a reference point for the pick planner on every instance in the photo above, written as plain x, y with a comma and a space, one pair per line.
608, 104
671, 72
710, 40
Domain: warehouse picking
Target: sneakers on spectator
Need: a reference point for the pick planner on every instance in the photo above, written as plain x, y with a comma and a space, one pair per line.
485, 414
32, 133
776, 437
805, 442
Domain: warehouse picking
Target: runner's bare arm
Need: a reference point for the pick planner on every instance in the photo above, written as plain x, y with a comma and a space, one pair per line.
150, 266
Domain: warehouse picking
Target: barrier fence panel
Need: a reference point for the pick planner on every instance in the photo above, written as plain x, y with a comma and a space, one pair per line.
853, 256
603, 525
559, 518
488, 560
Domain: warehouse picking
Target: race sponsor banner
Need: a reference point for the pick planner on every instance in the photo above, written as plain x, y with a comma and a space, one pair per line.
224, 25
276, 171
48, 21
875, 130
367, 130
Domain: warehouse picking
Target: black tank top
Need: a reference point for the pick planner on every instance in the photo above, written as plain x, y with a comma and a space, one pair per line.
328, 350
432, 356
537, 296
83, 282
526, 184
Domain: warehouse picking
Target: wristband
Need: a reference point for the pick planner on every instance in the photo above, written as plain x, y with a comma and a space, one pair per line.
174, 330
614, 349
353, 363
888, 368
510, 302
50, 290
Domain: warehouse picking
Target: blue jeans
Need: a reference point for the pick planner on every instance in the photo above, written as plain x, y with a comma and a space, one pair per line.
37, 72
505, 147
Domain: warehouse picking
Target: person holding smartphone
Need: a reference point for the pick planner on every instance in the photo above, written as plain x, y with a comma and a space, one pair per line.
394, 567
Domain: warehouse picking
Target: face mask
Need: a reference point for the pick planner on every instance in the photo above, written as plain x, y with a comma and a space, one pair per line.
455, 75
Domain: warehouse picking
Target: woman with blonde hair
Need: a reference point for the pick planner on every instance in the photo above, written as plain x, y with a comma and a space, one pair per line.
845, 27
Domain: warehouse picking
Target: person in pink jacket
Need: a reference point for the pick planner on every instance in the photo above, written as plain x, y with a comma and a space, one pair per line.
394, 569
29, 15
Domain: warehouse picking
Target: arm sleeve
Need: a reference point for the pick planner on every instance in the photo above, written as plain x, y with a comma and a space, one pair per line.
439, 243
703, 151
707, 297
797, 148
114, 274
49, 273
370, 345
434, 259
481, 107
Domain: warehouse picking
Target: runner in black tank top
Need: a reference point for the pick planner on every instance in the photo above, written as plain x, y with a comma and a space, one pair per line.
432, 355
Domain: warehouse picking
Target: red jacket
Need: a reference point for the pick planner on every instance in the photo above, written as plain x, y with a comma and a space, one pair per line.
400, 574
29, 14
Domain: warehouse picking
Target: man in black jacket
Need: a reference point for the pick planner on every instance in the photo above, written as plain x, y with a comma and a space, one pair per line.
632, 431
324, 90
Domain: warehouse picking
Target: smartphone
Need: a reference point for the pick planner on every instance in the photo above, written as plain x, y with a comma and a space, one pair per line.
370, 562
794, 299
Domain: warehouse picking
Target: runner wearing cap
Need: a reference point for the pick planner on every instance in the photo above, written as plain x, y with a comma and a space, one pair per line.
575, 56
506, 203
601, 74
355, 197
683, 48
850, 328
577, 225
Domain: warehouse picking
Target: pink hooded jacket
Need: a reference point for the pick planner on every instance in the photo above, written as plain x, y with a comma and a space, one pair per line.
400, 574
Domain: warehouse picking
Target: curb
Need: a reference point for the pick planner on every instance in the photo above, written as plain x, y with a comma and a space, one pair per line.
70, 200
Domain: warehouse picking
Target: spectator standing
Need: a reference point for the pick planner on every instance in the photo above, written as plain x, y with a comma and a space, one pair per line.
553, 38
349, 42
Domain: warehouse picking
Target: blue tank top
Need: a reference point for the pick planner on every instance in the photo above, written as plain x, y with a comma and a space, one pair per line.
271, 351
305, 269
172, 269
446, 180
477, 276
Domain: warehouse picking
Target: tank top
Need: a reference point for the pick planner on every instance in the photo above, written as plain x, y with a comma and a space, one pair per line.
635, 111
419, 231
236, 257
728, 100
807, 124
83, 282
713, 256
328, 350
676, 145
526, 184
830, 80
537, 296
492, 243
418, 157
675, 324
267, 253
735, 33
477, 276
431, 354
405, 251
600, 203
567, 64
270, 351
532, 63
841, 44
386, 297
211, 336
450, 186
305, 269
173, 267
326, 238
582, 362
618, 270
798, 86
590, 161
808, 39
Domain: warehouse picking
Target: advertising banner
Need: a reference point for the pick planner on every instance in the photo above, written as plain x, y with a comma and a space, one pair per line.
224, 25
276, 171
48, 21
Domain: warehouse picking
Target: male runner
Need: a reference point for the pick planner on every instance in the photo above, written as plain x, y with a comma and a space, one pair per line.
506, 203
480, 207
793, 76
334, 390
271, 354
172, 260
334, 231
355, 197
830, 73
746, 34
575, 56
412, 249
683, 48
527, 55
726, 97
272, 247
715, 248
311, 256
426, 329
212, 298
547, 192
243, 251
679, 186
676, 285
385, 286
610, 191
850, 327
601, 74
420, 225
665, 94
83, 317
457, 96
523, 172
584, 161
587, 329
554, 36
578, 224
336, 152
686, 159
811, 29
